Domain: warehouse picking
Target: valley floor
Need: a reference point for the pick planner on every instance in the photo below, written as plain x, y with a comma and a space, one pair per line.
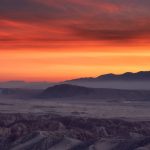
78, 107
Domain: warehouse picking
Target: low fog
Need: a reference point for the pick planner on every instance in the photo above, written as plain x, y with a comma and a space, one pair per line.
138, 85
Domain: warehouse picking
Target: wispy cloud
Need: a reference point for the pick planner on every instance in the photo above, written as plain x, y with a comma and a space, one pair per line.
29, 21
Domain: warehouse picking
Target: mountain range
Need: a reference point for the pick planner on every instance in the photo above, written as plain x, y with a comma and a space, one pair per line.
128, 80
128, 76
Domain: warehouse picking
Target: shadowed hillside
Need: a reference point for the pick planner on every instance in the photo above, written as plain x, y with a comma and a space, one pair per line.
73, 91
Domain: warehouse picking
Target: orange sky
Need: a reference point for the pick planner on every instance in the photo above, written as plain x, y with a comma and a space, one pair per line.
55, 40
45, 65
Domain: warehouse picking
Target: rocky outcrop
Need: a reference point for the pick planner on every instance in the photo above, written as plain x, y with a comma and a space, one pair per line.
52, 132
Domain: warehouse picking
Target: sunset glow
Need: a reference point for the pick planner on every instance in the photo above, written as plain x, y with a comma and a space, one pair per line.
55, 40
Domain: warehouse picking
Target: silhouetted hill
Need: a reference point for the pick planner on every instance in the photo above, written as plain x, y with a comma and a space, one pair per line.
66, 90
142, 75
128, 80
73, 91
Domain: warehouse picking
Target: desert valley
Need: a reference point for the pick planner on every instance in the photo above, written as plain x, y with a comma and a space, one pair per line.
69, 116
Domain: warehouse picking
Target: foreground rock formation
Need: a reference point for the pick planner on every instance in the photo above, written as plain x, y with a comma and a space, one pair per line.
53, 132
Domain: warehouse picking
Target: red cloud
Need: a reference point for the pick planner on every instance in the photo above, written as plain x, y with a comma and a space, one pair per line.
35, 22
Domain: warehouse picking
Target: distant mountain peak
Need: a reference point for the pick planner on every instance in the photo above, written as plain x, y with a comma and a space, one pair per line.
141, 75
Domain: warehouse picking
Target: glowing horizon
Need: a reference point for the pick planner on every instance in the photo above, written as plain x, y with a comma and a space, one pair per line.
49, 40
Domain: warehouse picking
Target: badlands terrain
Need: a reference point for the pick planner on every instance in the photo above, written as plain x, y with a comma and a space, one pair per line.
74, 124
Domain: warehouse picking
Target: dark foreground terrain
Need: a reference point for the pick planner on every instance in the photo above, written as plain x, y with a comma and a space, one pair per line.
54, 132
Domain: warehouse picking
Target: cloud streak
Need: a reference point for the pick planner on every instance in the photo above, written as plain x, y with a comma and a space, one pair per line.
45, 21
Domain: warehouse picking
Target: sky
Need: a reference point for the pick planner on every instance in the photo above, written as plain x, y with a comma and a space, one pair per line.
56, 40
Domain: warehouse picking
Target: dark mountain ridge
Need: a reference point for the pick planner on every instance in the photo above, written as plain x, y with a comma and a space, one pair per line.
66, 90
73, 91
142, 75
128, 80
